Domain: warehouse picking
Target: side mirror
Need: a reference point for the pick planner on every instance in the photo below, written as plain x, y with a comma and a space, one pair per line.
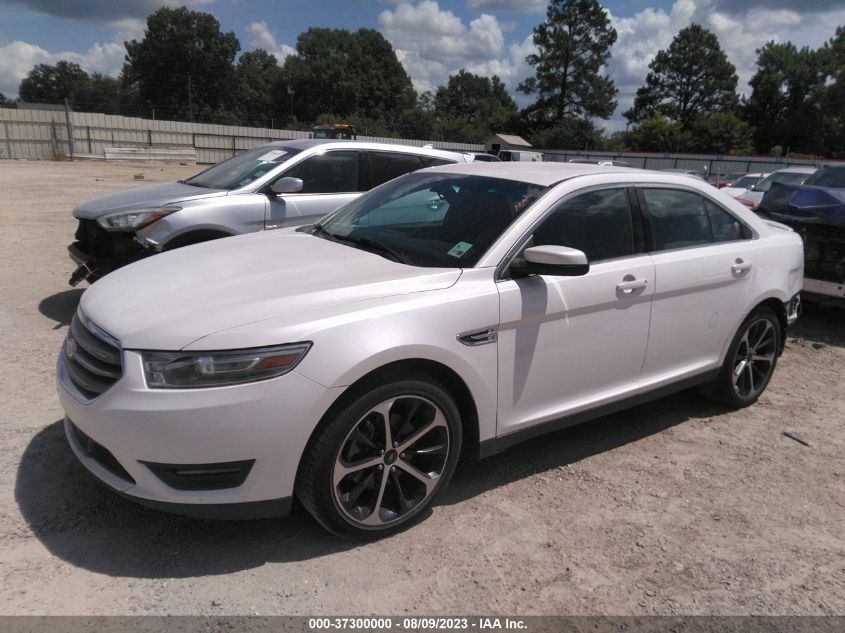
560, 261
286, 185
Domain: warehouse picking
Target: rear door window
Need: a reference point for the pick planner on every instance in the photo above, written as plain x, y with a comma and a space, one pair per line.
330, 172
681, 219
389, 165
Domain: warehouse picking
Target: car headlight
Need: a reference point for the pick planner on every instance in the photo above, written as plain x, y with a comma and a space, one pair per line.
191, 370
134, 219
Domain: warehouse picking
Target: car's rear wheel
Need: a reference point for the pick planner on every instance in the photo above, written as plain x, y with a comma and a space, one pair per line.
750, 362
377, 464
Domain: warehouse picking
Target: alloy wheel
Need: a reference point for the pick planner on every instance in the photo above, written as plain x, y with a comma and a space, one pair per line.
755, 358
391, 461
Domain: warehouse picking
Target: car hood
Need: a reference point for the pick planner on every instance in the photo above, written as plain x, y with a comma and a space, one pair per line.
142, 197
804, 204
170, 300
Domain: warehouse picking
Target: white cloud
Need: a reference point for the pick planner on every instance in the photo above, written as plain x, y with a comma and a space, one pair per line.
433, 43
260, 36
741, 30
18, 58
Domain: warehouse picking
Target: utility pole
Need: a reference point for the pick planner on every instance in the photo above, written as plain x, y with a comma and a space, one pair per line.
190, 101
69, 129
290, 92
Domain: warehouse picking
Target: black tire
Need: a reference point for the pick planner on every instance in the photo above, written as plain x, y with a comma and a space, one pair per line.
356, 481
747, 371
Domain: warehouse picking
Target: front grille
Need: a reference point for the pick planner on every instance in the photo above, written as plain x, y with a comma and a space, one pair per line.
100, 454
99, 243
92, 363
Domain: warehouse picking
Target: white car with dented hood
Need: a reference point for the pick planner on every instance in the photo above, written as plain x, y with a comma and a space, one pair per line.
460, 308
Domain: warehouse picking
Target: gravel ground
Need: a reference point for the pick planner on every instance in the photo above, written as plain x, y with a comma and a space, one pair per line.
676, 507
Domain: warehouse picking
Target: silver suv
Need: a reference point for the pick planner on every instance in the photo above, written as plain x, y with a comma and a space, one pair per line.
285, 183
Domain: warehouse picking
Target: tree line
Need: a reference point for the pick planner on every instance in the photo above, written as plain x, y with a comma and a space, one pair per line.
185, 68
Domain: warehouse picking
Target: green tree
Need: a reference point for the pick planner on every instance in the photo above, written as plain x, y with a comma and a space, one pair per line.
381, 86
53, 84
5, 102
573, 47
832, 60
348, 74
720, 133
569, 133
785, 105
658, 134
100, 93
257, 79
477, 99
690, 79
183, 65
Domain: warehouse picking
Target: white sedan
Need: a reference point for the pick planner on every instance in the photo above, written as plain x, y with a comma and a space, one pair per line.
459, 309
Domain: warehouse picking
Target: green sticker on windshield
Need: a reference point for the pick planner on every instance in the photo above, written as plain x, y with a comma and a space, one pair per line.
460, 249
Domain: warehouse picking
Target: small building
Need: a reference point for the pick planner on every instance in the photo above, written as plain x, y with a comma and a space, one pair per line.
505, 141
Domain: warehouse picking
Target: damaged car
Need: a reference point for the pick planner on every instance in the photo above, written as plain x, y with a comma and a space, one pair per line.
351, 362
816, 211
280, 184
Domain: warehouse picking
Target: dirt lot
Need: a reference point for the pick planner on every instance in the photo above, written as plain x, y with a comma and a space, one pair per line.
676, 507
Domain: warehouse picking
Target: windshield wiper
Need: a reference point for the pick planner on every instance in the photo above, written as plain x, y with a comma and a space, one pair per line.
367, 243
193, 184
374, 246
321, 230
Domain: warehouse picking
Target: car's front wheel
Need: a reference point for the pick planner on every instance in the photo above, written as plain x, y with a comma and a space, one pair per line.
376, 465
750, 362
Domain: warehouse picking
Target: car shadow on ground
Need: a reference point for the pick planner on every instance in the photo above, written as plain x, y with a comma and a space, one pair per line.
576, 443
83, 523
61, 306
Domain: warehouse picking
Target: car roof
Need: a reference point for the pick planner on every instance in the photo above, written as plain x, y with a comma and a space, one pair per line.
798, 169
543, 174
308, 143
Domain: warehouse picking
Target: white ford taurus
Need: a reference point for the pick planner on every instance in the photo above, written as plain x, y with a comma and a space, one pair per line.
456, 309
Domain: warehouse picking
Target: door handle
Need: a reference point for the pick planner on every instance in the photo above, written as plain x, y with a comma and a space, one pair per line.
627, 287
740, 266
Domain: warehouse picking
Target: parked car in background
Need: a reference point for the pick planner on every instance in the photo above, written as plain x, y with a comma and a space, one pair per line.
610, 162
727, 180
743, 184
484, 157
335, 131
701, 175
284, 183
458, 309
816, 211
785, 176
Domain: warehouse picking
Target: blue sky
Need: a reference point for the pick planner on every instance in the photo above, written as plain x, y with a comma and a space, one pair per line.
433, 38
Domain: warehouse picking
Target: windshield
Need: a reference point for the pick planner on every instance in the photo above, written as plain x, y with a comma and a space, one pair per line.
782, 177
244, 168
431, 220
831, 177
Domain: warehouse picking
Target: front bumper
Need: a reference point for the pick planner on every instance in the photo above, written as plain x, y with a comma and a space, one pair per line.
265, 423
96, 252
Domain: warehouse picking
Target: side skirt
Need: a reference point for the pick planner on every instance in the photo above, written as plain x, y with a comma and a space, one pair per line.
491, 447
